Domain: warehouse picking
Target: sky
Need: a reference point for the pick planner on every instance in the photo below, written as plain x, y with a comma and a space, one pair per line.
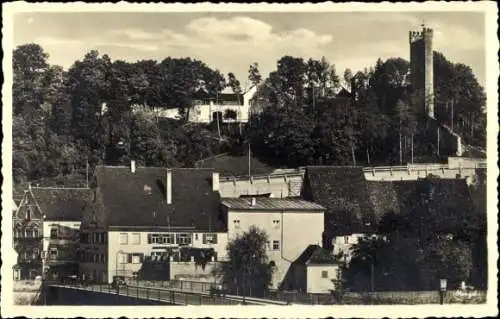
231, 41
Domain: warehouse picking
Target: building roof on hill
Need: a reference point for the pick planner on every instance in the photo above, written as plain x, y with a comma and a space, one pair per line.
314, 254
62, 204
343, 192
229, 165
126, 199
269, 203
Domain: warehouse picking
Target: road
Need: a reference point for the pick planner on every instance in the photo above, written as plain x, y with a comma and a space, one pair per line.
173, 296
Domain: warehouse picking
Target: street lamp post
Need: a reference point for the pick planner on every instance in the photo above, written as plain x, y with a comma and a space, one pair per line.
115, 280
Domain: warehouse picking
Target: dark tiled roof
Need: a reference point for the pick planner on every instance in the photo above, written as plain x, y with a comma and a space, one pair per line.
315, 254
138, 199
235, 165
343, 192
62, 204
269, 203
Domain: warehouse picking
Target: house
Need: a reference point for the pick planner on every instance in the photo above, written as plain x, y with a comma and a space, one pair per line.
282, 219
46, 231
226, 106
27, 222
62, 210
142, 214
315, 271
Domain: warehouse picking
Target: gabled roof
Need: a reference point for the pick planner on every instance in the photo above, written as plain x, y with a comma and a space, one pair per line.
55, 204
342, 191
315, 255
229, 165
62, 204
269, 203
127, 199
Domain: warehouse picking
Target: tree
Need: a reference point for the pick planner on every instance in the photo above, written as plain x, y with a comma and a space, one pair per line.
348, 76
248, 270
254, 74
460, 100
234, 84
29, 64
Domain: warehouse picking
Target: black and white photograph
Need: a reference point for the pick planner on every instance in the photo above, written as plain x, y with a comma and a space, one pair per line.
313, 159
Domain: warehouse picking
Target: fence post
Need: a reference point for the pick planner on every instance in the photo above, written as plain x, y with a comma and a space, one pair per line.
137, 291
200, 299
185, 299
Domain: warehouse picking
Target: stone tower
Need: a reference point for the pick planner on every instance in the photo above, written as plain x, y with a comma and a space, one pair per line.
422, 68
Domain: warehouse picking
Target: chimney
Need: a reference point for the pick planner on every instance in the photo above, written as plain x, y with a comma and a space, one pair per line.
168, 186
215, 181
132, 166
254, 201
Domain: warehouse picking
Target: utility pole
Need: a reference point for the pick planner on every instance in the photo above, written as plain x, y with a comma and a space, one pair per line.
249, 157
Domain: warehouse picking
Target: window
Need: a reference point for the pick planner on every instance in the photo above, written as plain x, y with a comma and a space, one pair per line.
17, 233
123, 258
236, 223
136, 239
35, 233
276, 244
209, 238
158, 255
346, 239
161, 239
29, 233
103, 258
276, 223
52, 253
123, 238
183, 239
53, 233
136, 258
324, 274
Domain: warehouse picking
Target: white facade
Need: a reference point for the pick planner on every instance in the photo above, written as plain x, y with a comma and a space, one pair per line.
288, 237
321, 278
124, 251
343, 244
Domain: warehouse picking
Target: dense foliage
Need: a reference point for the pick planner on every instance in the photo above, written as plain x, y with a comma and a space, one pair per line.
91, 113
248, 270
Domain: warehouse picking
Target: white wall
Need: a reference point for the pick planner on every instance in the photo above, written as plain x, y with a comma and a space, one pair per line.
278, 186
295, 231
315, 282
127, 269
344, 243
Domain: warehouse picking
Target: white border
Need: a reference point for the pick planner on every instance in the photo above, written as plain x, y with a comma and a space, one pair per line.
489, 309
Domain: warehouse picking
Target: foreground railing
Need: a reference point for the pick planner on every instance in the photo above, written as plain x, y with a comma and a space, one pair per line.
170, 296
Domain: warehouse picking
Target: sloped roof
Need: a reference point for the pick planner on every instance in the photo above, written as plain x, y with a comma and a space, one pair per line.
269, 203
229, 165
129, 199
62, 204
314, 254
343, 192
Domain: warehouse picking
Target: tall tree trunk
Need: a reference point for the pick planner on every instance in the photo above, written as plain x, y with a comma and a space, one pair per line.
400, 146
412, 148
353, 155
